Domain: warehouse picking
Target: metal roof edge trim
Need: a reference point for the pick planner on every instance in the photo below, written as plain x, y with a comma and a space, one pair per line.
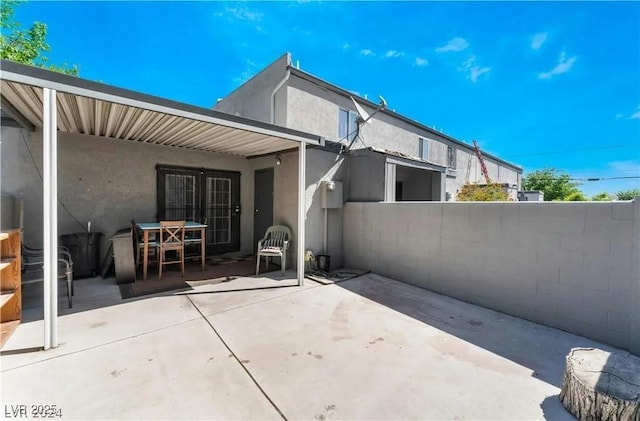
20, 73
408, 162
314, 79
396, 154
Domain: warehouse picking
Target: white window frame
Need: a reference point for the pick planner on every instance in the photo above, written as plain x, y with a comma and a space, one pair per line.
451, 157
351, 125
423, 148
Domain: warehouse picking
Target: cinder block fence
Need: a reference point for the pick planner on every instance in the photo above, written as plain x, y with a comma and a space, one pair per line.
574, 266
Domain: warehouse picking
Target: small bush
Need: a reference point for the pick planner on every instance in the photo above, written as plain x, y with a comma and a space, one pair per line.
576, 196
482, 193
628, 194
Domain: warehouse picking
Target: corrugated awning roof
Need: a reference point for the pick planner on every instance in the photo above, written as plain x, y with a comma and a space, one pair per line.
102, 110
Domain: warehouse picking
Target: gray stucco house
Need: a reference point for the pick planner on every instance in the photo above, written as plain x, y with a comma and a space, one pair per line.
393, 157
399, 160
171, 160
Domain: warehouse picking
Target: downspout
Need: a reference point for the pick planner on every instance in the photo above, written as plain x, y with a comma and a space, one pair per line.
275, 91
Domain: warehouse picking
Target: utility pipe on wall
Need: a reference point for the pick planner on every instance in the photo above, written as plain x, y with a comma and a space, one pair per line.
275, 91
326, 219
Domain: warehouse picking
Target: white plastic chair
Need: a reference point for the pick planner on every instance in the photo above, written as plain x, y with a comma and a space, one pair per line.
274, 244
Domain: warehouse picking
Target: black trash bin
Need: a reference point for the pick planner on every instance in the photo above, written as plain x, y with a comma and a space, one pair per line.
324, 262
84, 248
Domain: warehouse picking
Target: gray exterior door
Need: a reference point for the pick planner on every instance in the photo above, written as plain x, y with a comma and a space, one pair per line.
263, 204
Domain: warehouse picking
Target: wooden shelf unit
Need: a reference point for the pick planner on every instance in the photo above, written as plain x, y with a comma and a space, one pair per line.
10, 284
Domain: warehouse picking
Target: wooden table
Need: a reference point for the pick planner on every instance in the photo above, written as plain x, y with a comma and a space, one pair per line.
148, 227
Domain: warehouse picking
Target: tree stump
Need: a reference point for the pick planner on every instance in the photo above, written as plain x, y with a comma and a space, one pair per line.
600, 385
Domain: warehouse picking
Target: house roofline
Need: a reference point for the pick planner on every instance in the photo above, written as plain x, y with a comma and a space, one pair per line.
21, 73
321, 82
239, 87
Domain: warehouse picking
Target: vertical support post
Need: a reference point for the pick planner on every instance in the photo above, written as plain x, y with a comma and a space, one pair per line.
390, 182
50, 211
302, 210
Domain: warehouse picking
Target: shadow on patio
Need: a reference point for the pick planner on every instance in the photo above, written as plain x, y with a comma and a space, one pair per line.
539, 348
220, 275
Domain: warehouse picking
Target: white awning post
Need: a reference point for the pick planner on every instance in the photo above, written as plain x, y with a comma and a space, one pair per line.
50, 211
302, 208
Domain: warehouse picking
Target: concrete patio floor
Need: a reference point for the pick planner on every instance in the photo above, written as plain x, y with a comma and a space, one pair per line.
366, 348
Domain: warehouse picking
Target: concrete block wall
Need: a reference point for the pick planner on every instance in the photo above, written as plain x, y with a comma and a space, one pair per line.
572, 266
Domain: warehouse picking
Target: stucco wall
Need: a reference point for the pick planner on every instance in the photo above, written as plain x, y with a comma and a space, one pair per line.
366, 177
573, 266
315, 109
253, 98
285, 194
109, 181
105, 181
320, 166
324, 166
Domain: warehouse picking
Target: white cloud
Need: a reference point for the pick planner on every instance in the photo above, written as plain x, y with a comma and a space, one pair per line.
367, 52
563, 66
454, 44
243, 13
537, 40
472, 70
629, 166
635, 115
393, 53
421, 61
345, 46
476, 72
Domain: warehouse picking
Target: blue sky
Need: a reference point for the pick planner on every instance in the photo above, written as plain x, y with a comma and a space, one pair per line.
541, 84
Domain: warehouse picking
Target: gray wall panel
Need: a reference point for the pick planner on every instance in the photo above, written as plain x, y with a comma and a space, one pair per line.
573, 266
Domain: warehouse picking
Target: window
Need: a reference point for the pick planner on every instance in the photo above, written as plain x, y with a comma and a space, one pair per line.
423, 148
347, 126
451, 157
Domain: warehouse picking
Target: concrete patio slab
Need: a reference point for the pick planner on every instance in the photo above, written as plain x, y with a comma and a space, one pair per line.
366, 348
181, 372
87, 329
333, 353
241, 292
101, 316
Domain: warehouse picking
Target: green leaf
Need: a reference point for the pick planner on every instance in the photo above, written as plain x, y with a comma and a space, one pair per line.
26, 46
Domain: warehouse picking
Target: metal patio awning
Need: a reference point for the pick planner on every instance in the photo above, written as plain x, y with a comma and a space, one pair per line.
101, 110
42, 99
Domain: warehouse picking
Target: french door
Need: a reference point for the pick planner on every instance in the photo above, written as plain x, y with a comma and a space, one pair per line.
203, 195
